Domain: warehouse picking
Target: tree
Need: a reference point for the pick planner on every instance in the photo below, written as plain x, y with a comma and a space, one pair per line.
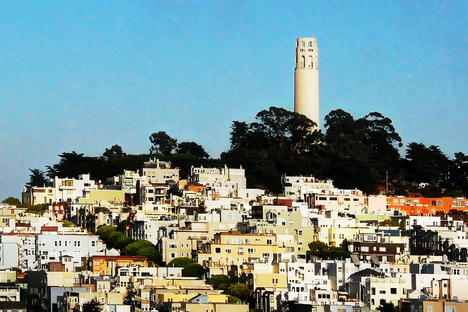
174, 190
113, 237
13, 201
124, 225
113, 152
122, 241
278, 141
36, 178
92, 306
321, 250
104, 232
240, 291
73, 164
217, 280
193, 270
162, 143
129, 298
361, 152
318, 248
426, 164
37, 209
192, 148
143, 248
180, 262
386, 307
67, 223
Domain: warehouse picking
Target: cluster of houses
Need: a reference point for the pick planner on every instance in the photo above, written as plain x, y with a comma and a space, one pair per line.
55, 262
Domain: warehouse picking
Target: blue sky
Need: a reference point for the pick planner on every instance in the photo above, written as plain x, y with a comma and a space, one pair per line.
85, 75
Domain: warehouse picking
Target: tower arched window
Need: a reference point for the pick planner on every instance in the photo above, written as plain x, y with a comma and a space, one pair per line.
310, 43
311, 61
303, 61
303, 43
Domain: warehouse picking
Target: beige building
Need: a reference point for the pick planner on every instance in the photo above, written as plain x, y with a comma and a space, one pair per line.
157, 171
110, 196
235, 248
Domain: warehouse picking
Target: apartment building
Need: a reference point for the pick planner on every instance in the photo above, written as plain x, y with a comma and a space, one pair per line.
235, 248
51, 245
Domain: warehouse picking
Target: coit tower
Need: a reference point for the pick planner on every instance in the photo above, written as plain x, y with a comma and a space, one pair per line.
306, 79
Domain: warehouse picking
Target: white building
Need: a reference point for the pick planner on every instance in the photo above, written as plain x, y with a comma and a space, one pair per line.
220, 182
60, 190
51, 245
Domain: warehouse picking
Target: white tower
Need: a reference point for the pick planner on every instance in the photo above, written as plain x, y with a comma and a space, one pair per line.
306, 79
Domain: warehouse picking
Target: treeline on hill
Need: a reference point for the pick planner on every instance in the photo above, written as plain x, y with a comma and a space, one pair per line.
355, 153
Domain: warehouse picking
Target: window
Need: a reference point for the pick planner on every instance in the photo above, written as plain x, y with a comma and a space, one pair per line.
269, 241
393, 291
228, 250
218, 250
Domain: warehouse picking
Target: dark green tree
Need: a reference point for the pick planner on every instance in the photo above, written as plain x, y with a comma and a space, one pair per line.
122, 241
13, 201
426, 164
386, 307
72, 165
37, 178
124, 226
321, 250
113, 152
361, 152
129, 298
104, 232
217, 280
143, 248
193, 270
92, 306
162, 143
240, 291
180, 262
318, 248
192, 148
278, 141
174, 190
